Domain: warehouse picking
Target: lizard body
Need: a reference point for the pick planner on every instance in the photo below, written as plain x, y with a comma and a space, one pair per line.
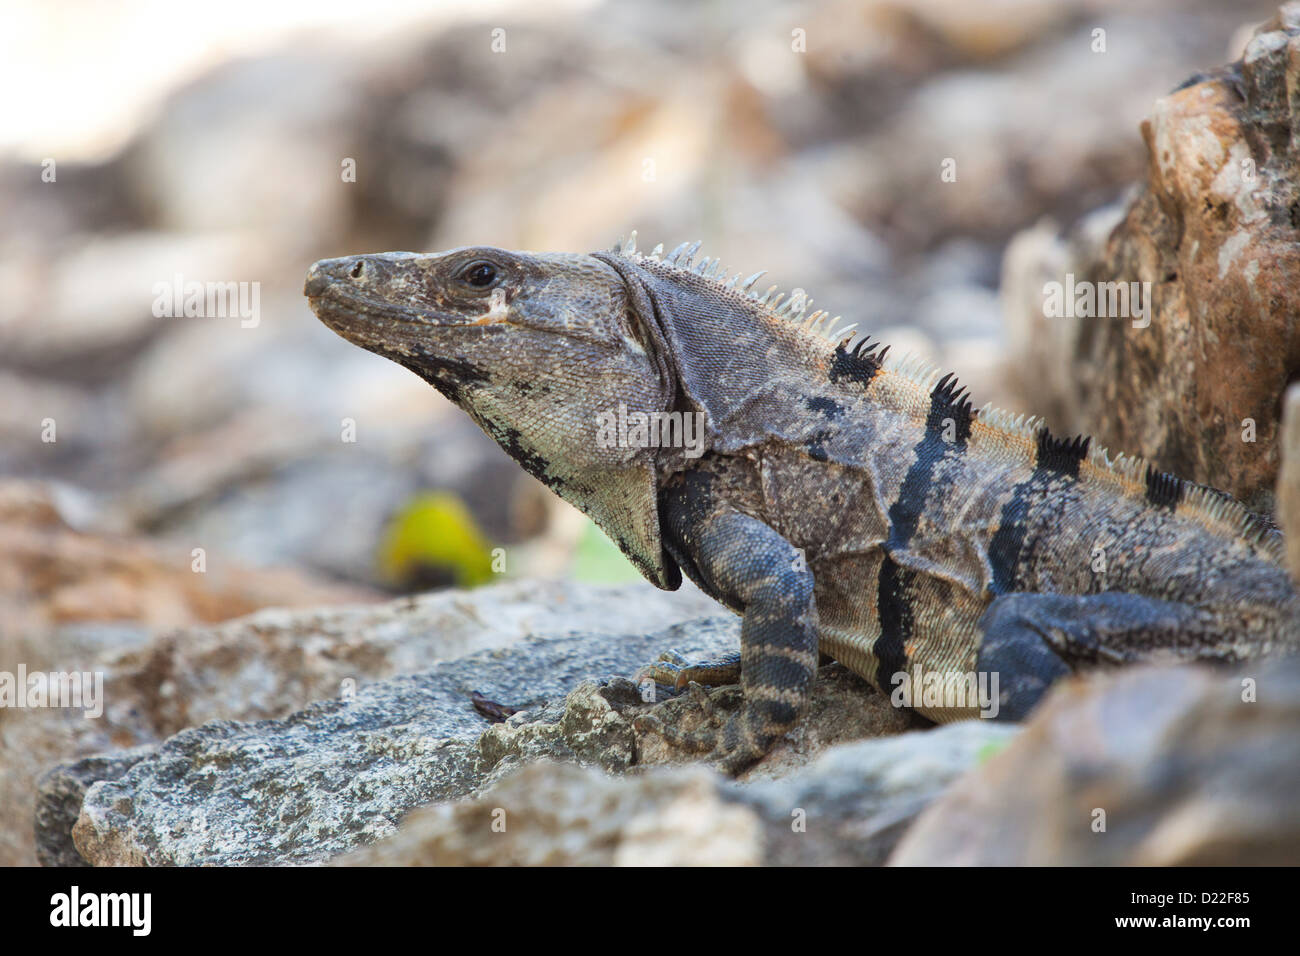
846, 503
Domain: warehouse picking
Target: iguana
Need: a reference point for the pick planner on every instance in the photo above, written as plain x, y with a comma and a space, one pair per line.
845, 502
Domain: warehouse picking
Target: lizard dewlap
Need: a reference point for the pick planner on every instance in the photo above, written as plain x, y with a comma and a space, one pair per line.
844, 501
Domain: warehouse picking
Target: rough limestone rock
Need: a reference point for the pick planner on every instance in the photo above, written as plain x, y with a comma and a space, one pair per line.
553, 814
858, 798
848, 807
271, 663
340, 774
1213, 232
75, 600
63, 789
844, 707
1288, 480
1180, 764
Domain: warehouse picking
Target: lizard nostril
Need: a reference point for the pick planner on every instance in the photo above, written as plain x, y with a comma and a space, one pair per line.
357, 269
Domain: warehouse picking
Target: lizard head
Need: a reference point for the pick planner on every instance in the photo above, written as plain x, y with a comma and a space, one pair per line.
539, 349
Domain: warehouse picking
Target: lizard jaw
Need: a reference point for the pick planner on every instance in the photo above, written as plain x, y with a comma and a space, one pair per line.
333, 294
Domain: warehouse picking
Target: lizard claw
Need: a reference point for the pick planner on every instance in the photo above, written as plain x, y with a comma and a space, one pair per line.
733, 740
676, 671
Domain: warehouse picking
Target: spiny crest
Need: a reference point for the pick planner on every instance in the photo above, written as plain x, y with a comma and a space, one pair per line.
1137, 476
916, 368
1133, 475
858, 363
796, 307
1166, 490
1163, 489
950, 410
1010, 422
1060, 452
952, 397
1131, 469
1226, 510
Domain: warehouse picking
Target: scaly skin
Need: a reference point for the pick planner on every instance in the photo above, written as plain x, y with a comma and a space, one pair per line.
846, 503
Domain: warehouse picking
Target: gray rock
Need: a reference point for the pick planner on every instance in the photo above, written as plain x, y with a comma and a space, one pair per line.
849, 808
268, 664
1177, 766
63, 789
343, 773
339, 775
593, 725
555, 814
859, 798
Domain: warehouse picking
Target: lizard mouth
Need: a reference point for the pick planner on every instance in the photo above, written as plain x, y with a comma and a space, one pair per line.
343, 307
348, 310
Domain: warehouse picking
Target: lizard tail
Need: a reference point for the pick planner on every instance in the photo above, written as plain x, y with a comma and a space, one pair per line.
1288, 480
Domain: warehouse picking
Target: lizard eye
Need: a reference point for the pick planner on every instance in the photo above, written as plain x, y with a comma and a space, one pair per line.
479, 274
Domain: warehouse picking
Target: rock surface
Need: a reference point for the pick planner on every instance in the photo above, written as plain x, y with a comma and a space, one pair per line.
272, 663
340, 774
1184, 763
72, 600
343, 772
553, 814
1181, 766
62, 791
1212, 234
847, 808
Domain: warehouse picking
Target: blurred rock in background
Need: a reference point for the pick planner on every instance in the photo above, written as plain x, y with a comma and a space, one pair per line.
1196, 383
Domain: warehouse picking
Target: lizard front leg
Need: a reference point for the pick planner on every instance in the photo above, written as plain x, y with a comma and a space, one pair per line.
752, 569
